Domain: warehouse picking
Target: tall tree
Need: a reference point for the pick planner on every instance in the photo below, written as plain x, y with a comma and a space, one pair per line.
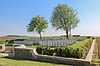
38, 24
64, 17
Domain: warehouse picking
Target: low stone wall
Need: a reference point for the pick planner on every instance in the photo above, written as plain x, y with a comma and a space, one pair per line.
29, 53
70, 61
24, 53
8, 49
2, 47
19, 46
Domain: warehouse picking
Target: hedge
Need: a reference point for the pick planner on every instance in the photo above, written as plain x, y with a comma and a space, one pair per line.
9, 42
77, 50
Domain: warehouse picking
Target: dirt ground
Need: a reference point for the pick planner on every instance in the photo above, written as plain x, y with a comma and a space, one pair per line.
98, 46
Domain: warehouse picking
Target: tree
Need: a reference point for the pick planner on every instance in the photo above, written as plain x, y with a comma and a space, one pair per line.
65, 18
38, 24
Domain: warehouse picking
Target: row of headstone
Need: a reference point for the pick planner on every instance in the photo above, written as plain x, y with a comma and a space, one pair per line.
57, 37
56, 42
27, 42
60, 41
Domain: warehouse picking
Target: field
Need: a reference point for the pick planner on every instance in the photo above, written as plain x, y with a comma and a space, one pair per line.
10, 38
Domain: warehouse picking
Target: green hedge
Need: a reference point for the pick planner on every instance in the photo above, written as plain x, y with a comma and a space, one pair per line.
9, 42
77, 50
61, 51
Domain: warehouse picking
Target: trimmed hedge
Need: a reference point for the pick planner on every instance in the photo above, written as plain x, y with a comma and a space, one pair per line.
9, 42
77, 50
61, 51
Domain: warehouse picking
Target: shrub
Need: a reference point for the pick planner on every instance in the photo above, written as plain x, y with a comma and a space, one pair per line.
9, 41
19, 39
39, 50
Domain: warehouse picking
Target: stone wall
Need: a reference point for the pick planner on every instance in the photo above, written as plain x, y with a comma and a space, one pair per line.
2, 47
24, 53
63, 60
29, 53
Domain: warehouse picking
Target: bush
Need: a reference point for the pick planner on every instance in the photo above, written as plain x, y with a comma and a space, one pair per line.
19, 39
39, 50
9, 41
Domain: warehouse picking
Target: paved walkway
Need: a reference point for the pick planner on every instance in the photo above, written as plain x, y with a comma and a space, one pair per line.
6, 54
90, 53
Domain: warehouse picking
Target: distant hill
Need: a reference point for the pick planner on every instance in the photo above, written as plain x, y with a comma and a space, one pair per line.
15, 36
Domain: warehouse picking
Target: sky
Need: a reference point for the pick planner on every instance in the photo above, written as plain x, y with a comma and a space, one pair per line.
15, 15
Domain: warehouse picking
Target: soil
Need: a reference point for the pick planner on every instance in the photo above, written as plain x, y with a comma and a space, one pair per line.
98, 45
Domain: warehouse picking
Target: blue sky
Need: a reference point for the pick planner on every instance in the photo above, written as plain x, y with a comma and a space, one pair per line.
16, 14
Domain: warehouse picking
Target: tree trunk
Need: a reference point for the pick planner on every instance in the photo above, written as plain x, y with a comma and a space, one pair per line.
40, 36
70, 33
67, 34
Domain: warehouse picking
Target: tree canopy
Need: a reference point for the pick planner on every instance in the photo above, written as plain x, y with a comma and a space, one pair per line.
38, 24
64, 17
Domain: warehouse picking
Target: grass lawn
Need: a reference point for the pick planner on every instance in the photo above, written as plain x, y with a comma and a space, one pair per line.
32, 38
14, 62
79, 43
34, 46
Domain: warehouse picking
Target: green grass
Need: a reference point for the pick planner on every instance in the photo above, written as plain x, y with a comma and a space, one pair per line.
34, 46
13, 62
3, 42
32, 38
79, 43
